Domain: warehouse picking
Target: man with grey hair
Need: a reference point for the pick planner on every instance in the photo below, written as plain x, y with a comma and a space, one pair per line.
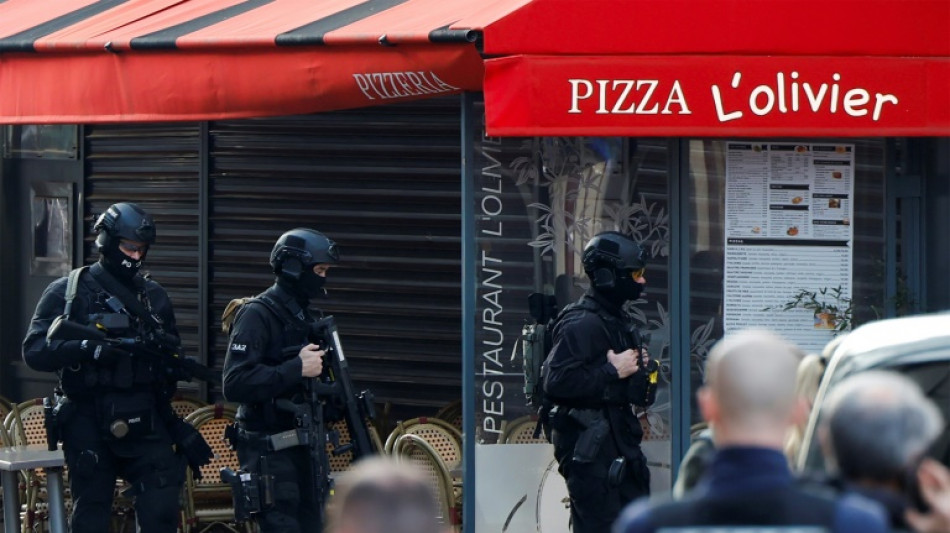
875, 429
750, 400
382, 495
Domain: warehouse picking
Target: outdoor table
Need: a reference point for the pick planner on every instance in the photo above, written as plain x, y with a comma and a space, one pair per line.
16, 458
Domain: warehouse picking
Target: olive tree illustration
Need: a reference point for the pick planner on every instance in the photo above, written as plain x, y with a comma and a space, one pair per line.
828, 303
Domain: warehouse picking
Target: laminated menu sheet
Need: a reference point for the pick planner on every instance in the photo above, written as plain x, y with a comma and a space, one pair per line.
789, 208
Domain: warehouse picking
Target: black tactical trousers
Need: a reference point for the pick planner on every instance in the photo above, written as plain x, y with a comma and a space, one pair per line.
295, 509
596, 500
151, 466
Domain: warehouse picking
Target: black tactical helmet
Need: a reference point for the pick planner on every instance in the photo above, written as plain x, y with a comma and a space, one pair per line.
298, 250
124, 221
613, 250
609, 259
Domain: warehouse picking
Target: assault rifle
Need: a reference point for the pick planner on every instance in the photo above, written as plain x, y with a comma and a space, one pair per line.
334, 386
154, 344
335, 382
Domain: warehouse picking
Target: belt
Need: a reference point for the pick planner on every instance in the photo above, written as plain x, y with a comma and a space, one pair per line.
271, 442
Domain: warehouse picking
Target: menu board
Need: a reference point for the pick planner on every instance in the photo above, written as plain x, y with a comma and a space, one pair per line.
789, 208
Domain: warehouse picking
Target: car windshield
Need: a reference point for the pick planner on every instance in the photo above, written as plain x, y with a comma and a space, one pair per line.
928, 366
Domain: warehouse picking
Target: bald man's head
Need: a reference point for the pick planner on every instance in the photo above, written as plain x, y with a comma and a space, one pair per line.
750, 378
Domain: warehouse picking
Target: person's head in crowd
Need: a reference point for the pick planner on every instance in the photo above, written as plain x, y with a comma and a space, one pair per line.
807, 378
380, 495
749, 397
875, 428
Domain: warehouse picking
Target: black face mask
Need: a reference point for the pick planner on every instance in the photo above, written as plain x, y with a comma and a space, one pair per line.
120, 265
624, 290
311, 284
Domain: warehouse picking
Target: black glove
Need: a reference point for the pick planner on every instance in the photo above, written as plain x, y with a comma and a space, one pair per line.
192, 445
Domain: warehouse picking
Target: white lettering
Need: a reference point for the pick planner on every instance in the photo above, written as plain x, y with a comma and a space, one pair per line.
488, 282
495, 208
363, 84
625, 97
602, 110
645, 101
618, 107
723, 117
813, 99
834, 93
754, 100
441, 85
783, 95
676, 97
879, 101
576, 96
794, 92
780, 83
854, 99
389, 85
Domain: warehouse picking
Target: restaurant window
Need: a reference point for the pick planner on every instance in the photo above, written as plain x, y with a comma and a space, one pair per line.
770, 219
51, 211
538, 202
41, 141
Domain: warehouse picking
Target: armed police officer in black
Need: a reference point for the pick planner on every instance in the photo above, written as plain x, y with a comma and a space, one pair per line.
597, 370
269, 364
114, 414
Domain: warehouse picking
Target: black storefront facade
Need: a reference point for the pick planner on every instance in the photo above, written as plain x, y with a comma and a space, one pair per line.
221, 192
446, 227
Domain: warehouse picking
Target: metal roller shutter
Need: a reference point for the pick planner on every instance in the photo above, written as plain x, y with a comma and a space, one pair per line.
158, 167
384, 183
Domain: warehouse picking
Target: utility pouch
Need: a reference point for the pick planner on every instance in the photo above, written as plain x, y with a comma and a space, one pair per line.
252, 491
591, 439
127, 416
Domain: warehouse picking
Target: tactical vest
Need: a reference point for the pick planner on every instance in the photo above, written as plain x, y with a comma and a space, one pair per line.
292, 333
129, 372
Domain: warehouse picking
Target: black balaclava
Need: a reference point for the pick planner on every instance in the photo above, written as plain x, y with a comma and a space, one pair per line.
624, 289
123, 267
311, 284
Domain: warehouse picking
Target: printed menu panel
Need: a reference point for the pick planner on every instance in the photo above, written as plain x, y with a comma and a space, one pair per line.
789, 208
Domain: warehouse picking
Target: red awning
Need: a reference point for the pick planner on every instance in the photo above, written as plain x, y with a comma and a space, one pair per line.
553, 67
723, 68
82, 61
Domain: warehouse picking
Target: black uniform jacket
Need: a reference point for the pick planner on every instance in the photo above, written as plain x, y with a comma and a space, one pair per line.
257, 369
55, 356
579, 374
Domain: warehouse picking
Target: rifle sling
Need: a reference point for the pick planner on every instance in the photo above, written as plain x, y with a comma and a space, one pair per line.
127, 297
72, 285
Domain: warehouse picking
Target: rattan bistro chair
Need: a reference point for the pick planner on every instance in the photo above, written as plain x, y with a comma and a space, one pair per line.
340, 462
25, 425
442, 435
452, 413
416, 451
521, 431
183, 406
208, 502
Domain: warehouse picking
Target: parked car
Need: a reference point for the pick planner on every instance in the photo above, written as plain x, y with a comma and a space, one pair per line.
916, 346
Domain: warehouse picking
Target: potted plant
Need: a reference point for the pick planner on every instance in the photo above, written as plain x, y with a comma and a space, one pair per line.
831, 307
